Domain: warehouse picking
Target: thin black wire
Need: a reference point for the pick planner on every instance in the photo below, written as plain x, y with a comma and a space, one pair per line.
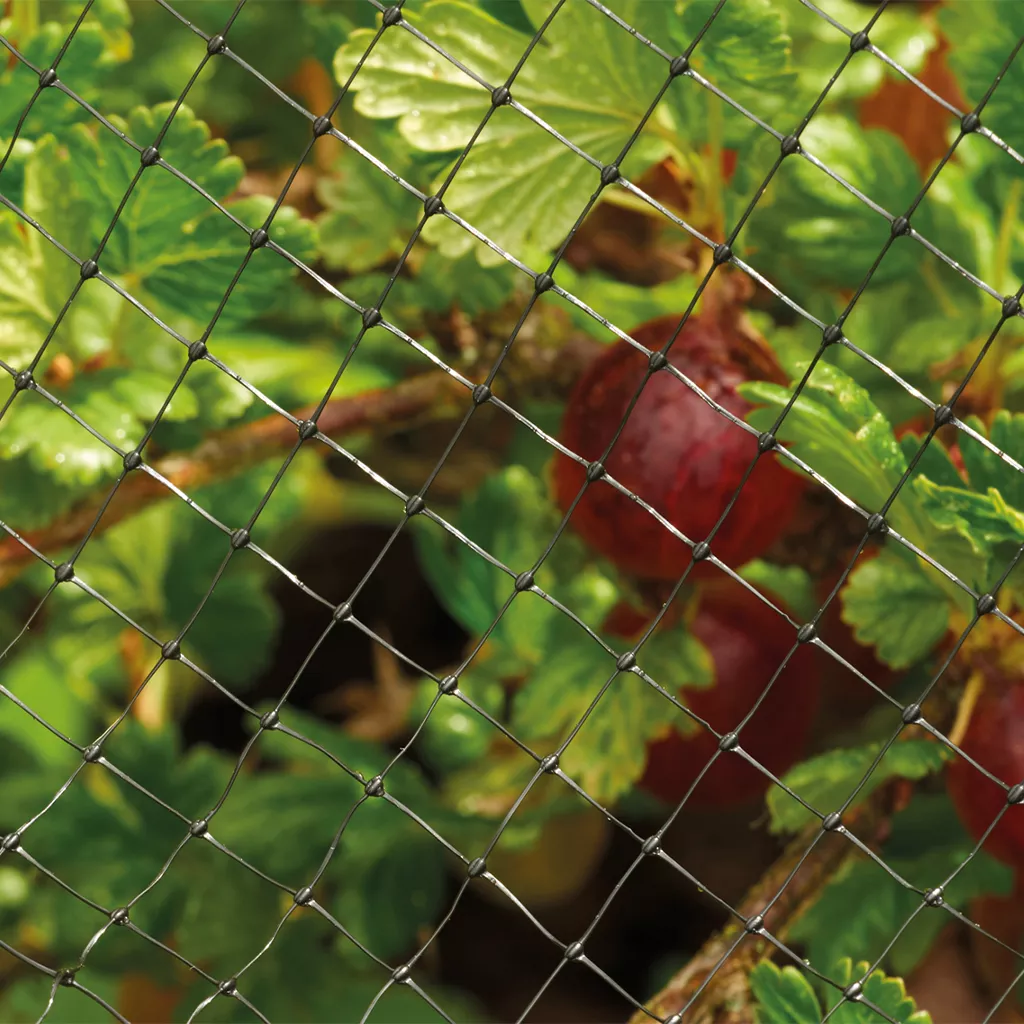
490, 378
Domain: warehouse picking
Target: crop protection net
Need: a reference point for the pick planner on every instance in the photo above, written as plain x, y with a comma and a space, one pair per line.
24, 387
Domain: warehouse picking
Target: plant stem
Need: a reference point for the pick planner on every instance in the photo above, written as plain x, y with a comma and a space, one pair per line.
726, 999
627, 201
714, 169
994, 378
965, 710
226, 453
25, 16
931, 279
1005, 239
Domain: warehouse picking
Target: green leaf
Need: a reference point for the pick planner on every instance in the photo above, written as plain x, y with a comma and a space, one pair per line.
561, 688
839, 431
981, 39
819, 48
434, 284
806, 211
26, 999
30, 499
621, 302
836, 428
929, 341
249, 911
455, 735
194, 271
888, 994
162, 211
367, 216
405, 780
296, 372
934, 462
746, 45
784, 995
442, 283
53, 443
36, 279
914, 322
589, 80
40, 681
608, 754
926, 846
117, 403
289, 982
510, 516
388, 902
745, 52
236, 630
130, 563
984, 520
828, 780
51, 200
675, 658
895, 605
790, 584
986, 470
182, 250
82, 66
272, 804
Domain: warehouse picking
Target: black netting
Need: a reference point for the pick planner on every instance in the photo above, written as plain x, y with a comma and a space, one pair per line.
470, 395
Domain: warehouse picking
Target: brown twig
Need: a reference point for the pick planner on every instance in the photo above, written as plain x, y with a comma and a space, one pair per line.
226, 453
726, 1000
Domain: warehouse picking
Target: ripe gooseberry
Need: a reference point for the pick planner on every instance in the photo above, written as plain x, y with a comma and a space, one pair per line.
747, 642
995, 739
676, 452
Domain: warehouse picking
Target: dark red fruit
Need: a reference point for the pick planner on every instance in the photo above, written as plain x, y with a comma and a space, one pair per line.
747, 642
677, 453
626, 621
995, 739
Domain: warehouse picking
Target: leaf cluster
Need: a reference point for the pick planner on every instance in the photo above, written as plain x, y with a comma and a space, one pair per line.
557, 668
967, 522
785, 996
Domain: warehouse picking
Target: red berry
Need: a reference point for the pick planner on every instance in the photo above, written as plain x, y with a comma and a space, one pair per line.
677, 453
995, 739
747, 642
